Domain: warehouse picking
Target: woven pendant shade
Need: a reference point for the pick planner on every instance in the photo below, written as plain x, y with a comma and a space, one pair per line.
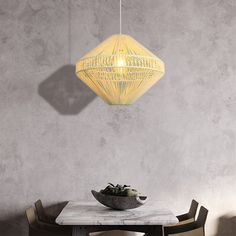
120, 69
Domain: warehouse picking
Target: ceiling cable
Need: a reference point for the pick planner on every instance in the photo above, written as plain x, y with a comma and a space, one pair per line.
120, 17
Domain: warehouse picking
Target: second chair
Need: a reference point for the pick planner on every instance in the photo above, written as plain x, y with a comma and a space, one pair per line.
190, 215
38, 228
42, 213
196, 228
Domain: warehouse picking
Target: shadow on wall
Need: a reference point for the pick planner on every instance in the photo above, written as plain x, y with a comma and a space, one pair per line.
18, 225
65, 92
56, 209
226, 226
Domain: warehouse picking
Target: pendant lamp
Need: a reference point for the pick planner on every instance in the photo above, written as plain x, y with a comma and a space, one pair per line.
120, 70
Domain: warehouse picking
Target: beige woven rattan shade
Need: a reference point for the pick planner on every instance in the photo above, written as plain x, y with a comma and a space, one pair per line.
120, 69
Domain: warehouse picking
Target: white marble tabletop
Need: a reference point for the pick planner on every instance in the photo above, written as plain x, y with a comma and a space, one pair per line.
93, 213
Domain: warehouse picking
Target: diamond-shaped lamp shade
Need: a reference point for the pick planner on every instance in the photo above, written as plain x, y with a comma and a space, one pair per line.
120, 69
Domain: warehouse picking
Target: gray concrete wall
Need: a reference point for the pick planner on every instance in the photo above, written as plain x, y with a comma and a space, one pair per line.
58, 140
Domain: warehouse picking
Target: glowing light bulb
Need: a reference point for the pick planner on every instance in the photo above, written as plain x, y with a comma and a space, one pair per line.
121, 62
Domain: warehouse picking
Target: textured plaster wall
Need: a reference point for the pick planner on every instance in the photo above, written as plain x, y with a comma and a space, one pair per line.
58, 140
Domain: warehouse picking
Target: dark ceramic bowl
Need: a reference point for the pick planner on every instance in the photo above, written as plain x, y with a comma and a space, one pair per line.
119, 202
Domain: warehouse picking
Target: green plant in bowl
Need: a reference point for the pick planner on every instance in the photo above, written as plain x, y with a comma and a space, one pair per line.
119, 190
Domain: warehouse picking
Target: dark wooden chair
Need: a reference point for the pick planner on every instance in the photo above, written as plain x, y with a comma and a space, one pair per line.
42, 215
38, 228
196, 228
189, 216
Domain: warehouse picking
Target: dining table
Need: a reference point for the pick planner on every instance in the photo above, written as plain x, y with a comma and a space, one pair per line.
89, 216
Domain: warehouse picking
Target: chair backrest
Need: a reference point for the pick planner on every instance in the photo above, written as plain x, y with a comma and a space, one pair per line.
202, 216
193, 209
40, 210
31, 216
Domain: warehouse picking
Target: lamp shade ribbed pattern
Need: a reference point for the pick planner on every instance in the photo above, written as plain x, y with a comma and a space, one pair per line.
120, 69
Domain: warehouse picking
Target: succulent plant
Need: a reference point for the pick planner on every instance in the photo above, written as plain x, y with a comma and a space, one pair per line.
119, 190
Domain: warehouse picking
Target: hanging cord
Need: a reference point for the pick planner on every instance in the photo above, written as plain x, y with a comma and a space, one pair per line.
69, 31
120, 17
